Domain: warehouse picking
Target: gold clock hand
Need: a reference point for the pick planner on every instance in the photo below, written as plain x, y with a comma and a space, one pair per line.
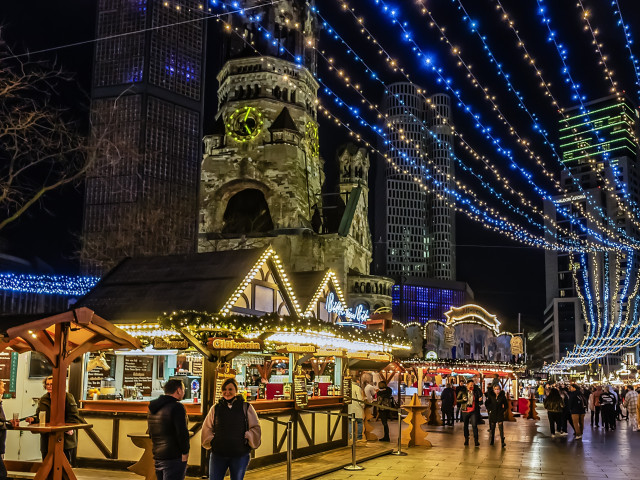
247, 114
247, 128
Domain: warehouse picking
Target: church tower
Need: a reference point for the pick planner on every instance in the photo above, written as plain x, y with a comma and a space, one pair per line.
262, 171
262, 175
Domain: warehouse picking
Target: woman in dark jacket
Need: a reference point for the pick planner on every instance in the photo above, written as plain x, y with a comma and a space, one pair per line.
230, 430
384, 397
497, 406
554, 405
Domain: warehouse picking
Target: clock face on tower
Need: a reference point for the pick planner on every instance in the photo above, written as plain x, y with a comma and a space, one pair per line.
244, 124
311, 136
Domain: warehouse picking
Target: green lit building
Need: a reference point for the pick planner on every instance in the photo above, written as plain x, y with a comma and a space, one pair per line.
606, 131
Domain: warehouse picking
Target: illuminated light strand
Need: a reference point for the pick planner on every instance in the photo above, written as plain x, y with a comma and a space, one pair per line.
476, 211
335, 36
531, 61
578, 96
73, 286
521, 103
520, 100
483, 182
617, 11
510, 87
586, 14
500, 150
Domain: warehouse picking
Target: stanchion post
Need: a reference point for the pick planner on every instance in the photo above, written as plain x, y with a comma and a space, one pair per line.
354, 434
399, 451
289, 448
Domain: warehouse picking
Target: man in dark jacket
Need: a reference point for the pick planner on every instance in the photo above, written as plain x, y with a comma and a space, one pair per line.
577, 406
469, 402
608, 403
497, 405
447, 397
169, 433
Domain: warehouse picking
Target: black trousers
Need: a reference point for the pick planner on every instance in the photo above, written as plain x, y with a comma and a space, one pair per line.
609, 417
598, 410
555, 420
470, 418
458, 412
384, 418
447, 415
566, 418
3, 469
492, 430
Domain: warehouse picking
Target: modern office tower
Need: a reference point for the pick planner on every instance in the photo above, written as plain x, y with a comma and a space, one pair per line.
441, 223
146, 113
599, 147
415, 226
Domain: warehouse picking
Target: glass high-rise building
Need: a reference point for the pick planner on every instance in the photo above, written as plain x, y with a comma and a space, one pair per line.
415, 226
146, 125
599, 148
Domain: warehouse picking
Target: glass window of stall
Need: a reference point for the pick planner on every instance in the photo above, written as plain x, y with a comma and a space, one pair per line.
141, 375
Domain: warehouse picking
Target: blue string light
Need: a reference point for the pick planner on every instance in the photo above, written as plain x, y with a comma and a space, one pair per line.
47, 284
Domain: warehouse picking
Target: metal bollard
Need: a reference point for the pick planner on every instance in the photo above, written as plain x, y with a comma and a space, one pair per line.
289, 448
399, 451
354, 434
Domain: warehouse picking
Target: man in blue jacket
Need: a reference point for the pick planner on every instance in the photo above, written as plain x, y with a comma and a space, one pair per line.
169, 432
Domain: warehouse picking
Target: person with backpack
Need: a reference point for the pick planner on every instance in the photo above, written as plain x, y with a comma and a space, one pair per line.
577, 407
554, 405
230, 430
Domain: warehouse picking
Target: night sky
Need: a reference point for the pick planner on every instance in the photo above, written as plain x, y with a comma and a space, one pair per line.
506, 276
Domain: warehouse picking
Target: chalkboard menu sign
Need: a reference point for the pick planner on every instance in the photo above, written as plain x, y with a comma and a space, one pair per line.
300, 391
9, 373
138, 372
221, 376
346, 389
97, 374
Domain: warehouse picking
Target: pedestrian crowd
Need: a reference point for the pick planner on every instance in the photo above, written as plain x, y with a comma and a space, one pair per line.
567, 405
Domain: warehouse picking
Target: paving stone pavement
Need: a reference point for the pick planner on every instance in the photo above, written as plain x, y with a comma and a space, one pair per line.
530, 454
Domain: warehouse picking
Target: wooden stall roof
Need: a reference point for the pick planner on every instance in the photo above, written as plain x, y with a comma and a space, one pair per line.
144, 288
87, 331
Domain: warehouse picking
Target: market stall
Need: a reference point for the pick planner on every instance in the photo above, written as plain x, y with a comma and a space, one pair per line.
233, 313
61, 339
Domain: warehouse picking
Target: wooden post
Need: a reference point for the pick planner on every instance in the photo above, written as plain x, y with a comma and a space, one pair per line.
415, 435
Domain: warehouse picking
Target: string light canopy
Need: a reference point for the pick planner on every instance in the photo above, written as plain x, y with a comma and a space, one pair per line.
275, 329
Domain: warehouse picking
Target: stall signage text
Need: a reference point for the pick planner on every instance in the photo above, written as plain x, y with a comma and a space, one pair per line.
352, 318
162, 344
292, 348
233, 344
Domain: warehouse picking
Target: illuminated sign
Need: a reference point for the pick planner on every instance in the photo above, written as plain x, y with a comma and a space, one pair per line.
572, 198
233, 344
431, 355
348, 316
293, 348
472, 314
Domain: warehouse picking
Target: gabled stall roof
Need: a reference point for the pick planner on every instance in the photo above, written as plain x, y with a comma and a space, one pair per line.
143, 288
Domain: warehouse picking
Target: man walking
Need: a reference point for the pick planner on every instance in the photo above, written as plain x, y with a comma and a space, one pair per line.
576, 407
469, 402
448, 397
169, 433
631, 404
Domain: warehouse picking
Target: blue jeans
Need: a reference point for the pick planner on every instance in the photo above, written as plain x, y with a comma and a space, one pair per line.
359, 428
174, 469
237, 466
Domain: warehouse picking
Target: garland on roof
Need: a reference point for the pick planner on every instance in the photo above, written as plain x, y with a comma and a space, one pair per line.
203, 324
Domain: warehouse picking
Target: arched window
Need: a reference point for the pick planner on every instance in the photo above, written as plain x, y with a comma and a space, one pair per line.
247, 212
277, 92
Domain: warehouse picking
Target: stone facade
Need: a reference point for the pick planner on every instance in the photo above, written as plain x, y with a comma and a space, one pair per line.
262, 176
